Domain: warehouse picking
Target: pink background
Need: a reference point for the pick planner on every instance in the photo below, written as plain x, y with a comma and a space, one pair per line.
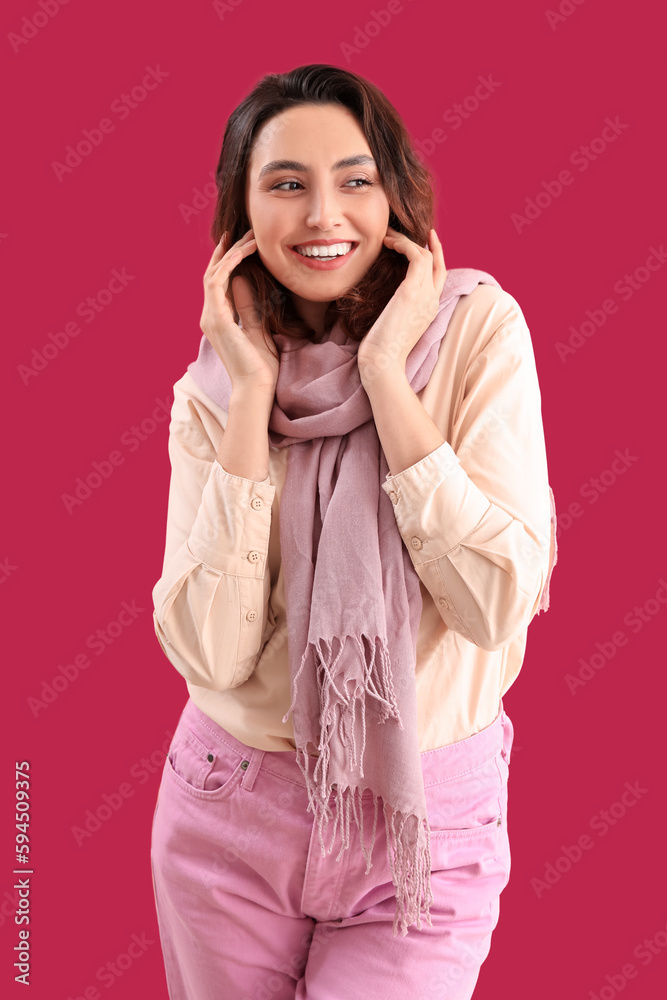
67, 574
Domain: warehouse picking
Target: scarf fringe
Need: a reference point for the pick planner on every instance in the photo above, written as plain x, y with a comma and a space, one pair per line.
408, 850
410, 869
377, 683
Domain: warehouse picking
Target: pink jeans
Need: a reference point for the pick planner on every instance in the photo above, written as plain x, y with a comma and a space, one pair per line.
248, 909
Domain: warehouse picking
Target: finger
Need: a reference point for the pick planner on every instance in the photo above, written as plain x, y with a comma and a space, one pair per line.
216, 278
439, 268
224, 247
242, 247
218, 253
231, 259
403, 244
220, 247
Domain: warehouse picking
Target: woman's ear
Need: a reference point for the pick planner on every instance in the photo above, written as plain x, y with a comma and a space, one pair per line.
394, 221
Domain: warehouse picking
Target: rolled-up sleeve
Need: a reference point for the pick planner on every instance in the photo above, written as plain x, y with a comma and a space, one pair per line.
477, 514
211, 602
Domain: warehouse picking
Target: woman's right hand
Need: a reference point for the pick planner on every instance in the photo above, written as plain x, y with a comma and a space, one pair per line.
249, 355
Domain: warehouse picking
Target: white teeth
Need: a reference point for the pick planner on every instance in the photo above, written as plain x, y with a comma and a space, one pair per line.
335, 250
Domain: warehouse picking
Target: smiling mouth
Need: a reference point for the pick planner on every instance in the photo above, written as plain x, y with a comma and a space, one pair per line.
332, 262
323, 251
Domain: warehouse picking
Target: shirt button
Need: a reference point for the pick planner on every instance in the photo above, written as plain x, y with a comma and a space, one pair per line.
393, 497
254, 556
415, 542
443, 603
251, 616
256, 502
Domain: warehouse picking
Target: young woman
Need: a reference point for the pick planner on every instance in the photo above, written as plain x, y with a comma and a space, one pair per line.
360, 529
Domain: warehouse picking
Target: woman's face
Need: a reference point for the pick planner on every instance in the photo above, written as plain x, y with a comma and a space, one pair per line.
315, 200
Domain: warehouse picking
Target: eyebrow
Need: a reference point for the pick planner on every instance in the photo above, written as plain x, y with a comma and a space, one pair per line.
348, 161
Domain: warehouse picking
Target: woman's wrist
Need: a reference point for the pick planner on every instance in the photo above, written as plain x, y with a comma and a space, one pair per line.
248, 395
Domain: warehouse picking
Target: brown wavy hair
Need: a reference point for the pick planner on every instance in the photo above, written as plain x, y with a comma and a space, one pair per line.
408, 185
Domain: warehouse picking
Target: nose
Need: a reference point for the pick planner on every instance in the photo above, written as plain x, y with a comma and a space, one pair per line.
323, 209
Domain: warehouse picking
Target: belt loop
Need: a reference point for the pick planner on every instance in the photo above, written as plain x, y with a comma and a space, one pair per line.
508, 737
256, 758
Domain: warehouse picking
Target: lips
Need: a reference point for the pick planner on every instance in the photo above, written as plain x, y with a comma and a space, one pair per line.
323, 243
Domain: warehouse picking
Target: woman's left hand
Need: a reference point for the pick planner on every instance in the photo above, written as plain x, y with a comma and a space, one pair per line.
411, 309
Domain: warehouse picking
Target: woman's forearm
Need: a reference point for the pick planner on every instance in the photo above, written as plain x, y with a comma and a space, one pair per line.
407, 432
244, 449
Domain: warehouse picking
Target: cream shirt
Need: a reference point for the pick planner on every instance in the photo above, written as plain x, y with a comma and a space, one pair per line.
475, 515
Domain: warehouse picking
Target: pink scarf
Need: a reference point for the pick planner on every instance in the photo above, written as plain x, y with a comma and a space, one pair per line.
352, 594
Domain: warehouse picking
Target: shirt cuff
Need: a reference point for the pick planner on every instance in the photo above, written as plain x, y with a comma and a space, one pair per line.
436, 504
233, 523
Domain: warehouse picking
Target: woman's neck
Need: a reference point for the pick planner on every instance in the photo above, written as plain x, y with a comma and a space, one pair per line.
313, 314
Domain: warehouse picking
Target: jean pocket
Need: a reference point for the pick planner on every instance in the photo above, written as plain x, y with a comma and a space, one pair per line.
467, 815
205, 770
464, 804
